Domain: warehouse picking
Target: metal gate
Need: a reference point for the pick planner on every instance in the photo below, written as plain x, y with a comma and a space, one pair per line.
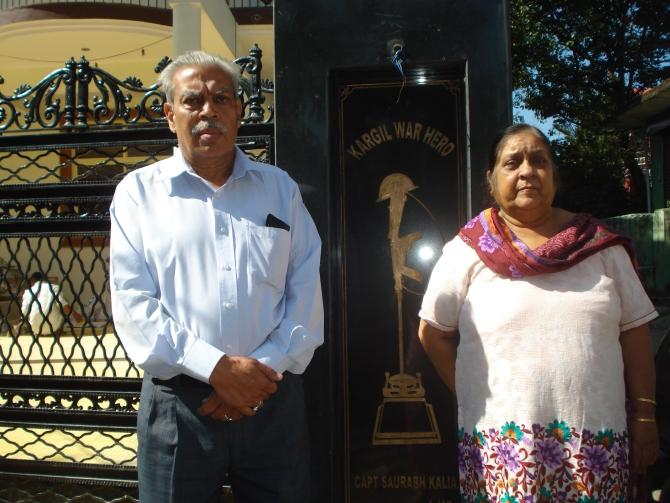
68, 392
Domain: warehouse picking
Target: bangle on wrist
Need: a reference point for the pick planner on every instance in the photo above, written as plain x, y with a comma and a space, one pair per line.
645, 419
645, 400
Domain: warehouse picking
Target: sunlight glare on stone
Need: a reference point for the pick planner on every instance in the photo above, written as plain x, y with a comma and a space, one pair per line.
426, 253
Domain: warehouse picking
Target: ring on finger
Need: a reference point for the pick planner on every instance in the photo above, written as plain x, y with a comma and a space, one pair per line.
227, 417
260, 404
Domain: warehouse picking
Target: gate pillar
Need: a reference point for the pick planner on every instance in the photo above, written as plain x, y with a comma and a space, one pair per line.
384, 114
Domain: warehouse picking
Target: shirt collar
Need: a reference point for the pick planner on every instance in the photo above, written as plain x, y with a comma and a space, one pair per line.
240, 166
179, 165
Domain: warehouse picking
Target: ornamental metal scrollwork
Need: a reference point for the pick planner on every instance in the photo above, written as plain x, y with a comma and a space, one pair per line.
87, 208
162, 64
39, 102
253, 88
61, 100
72, 401
115, 95
79, 96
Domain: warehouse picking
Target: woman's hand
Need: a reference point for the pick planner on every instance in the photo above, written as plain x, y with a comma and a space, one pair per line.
640, 376
644, 445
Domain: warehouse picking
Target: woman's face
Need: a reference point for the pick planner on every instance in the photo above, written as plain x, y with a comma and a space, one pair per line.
522, 179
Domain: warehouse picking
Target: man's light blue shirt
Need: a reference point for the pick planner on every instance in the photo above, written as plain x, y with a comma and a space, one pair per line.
196, 273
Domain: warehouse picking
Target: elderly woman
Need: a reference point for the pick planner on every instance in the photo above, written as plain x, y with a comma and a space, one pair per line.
553, 336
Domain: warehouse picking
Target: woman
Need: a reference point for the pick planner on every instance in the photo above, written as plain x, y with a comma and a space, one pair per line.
553, 336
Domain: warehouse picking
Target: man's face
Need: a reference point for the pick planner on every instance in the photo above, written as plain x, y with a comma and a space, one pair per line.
205, 114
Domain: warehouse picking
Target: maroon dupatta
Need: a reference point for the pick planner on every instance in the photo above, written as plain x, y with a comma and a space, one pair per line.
499, 248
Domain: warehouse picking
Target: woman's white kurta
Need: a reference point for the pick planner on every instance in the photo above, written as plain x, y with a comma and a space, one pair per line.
539, 374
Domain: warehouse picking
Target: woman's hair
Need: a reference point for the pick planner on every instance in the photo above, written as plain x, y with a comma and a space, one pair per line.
504, 134
196, 58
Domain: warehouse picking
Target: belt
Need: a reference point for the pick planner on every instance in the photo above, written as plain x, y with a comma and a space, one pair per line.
181, 381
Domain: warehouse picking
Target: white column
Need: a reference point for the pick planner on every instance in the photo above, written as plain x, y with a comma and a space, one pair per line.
186, 26
221, 29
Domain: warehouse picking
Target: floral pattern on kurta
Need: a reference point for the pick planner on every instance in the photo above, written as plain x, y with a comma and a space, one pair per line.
542, 463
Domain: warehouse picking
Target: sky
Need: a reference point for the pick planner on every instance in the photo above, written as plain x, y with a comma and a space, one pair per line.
529, 118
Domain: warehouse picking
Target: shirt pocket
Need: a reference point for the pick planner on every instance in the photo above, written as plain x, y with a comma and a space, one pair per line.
268, 253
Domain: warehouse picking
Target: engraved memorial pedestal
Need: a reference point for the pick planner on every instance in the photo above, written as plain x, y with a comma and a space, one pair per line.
404, 416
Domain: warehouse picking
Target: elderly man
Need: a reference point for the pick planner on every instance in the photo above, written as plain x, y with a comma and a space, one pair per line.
216, 296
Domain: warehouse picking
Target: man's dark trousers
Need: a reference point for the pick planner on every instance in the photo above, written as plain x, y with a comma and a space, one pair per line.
185, 458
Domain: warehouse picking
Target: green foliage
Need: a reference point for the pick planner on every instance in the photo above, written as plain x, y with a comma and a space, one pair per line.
583, 63
590, 175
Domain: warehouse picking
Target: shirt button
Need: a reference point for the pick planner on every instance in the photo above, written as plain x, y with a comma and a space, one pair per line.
228, 305
226, 268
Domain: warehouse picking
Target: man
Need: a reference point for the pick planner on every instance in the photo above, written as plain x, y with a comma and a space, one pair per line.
216, 295
43, 305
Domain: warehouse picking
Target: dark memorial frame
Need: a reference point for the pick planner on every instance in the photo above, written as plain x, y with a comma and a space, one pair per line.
400, 191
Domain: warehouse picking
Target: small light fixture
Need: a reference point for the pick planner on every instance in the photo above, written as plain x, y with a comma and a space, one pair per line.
85, 49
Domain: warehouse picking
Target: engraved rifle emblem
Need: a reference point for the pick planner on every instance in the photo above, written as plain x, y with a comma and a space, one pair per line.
404, 416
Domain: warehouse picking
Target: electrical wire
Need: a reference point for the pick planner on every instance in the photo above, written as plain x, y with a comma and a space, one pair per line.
90, 59
397, 61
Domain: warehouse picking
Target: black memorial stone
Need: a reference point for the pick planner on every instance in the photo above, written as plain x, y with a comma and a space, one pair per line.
400, 186
390, 165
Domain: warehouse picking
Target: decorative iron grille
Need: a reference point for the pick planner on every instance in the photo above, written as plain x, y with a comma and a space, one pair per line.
80, 96
68, 392
29, 490
158, 4
249, 4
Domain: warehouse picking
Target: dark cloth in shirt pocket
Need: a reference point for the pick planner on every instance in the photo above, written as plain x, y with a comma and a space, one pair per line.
268, 255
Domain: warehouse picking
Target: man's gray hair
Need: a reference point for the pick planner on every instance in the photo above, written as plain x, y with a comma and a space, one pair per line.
196, 58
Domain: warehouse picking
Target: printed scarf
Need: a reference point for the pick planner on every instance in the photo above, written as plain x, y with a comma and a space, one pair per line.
505, 254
